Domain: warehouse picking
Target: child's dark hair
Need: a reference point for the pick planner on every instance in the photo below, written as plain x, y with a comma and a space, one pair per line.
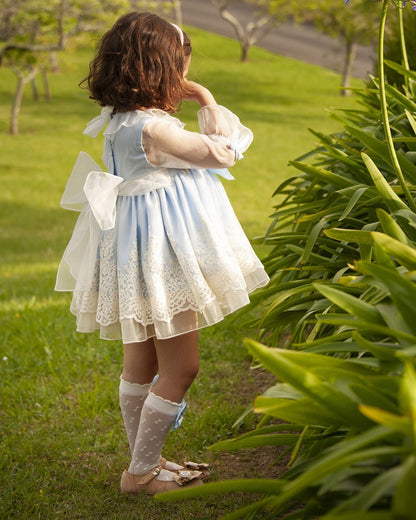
139, 64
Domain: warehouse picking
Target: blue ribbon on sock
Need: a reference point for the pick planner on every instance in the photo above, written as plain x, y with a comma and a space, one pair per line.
181, 411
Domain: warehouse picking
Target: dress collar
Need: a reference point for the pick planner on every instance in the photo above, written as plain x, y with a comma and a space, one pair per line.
115, 121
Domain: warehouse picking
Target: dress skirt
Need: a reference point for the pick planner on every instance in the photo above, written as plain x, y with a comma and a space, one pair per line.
176, 260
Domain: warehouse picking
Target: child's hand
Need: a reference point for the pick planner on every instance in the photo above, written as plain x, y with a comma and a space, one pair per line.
196, 92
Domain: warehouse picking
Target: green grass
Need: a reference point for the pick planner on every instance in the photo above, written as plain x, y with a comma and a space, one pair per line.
62, 446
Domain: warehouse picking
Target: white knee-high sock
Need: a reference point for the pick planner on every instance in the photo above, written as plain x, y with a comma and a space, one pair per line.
157, 417
131, 398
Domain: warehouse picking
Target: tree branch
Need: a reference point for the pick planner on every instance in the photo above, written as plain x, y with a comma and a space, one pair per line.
254, 27
32, 47
249, 35
222, 6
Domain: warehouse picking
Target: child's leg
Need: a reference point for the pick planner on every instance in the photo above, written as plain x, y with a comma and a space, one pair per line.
178, 365
140, 362
178, 361
140, 367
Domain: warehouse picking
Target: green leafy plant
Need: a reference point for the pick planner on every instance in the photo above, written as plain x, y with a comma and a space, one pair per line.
351, 436
341, 300
367, 169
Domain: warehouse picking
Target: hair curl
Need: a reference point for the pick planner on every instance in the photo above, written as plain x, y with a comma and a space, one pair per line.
139, 64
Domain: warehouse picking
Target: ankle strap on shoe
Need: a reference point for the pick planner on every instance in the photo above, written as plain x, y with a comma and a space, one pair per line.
147, 477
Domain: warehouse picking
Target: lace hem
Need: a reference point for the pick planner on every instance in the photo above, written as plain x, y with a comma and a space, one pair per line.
132, 329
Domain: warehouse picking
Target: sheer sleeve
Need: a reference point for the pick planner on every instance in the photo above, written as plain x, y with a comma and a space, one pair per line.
221, 142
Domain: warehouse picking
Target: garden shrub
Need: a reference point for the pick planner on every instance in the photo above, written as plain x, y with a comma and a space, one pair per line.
339, 320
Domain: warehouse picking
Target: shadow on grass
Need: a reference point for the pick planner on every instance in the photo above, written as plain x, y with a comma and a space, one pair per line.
32, 234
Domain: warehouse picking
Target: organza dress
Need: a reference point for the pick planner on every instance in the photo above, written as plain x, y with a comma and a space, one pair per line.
157, 249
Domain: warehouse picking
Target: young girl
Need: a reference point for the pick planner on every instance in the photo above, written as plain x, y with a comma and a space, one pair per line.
157, 251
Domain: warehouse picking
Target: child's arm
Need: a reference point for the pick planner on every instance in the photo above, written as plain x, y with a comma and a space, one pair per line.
196, 92
170, 146
221, 141
217, 121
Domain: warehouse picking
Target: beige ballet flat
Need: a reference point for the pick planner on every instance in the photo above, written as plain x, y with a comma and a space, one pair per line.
149, 484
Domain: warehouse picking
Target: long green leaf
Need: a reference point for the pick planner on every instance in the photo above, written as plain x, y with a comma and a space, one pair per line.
313, 236
382, 258
347, 321
247, 512
405, 254
382, 485
275, 429
380, 148
329, 465
263, 486
402, 70
350, 235
371, 396
341, 376
323, 175
293, 369
393, 319
272, 356
393, 201
404, 498
296, 289
408, 396
280, 439
360, 515
301, 411
403, 100
380, 351
391, 227
358, 308
408, 214
395, 422
411, 120
358, 193
333, 348
402, 290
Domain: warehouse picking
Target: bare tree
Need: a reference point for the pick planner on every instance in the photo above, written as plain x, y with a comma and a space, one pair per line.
31, 31
353, 24
28, 31
251, 33
177, 11
24, 75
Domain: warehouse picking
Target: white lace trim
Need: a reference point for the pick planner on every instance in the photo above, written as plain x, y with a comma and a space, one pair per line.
167, 300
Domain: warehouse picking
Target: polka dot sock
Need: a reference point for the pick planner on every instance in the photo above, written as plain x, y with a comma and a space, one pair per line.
131, 398
157, 417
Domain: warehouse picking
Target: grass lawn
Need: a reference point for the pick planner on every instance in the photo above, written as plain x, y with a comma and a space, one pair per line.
62, 445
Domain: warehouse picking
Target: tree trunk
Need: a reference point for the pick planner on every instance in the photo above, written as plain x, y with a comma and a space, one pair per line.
177, 12
18, 96
235, 23
245, 46
46, 86
350, 53
17, 101
249, 35
35, 89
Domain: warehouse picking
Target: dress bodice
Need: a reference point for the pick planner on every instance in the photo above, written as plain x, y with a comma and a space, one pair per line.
141, 141
123, 145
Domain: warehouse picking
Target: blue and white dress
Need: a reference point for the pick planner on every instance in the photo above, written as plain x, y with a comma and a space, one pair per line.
157, 249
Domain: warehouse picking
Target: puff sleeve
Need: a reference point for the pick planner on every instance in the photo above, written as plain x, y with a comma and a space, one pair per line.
222, 140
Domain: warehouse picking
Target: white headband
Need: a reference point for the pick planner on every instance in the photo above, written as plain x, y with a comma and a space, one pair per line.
179, 31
